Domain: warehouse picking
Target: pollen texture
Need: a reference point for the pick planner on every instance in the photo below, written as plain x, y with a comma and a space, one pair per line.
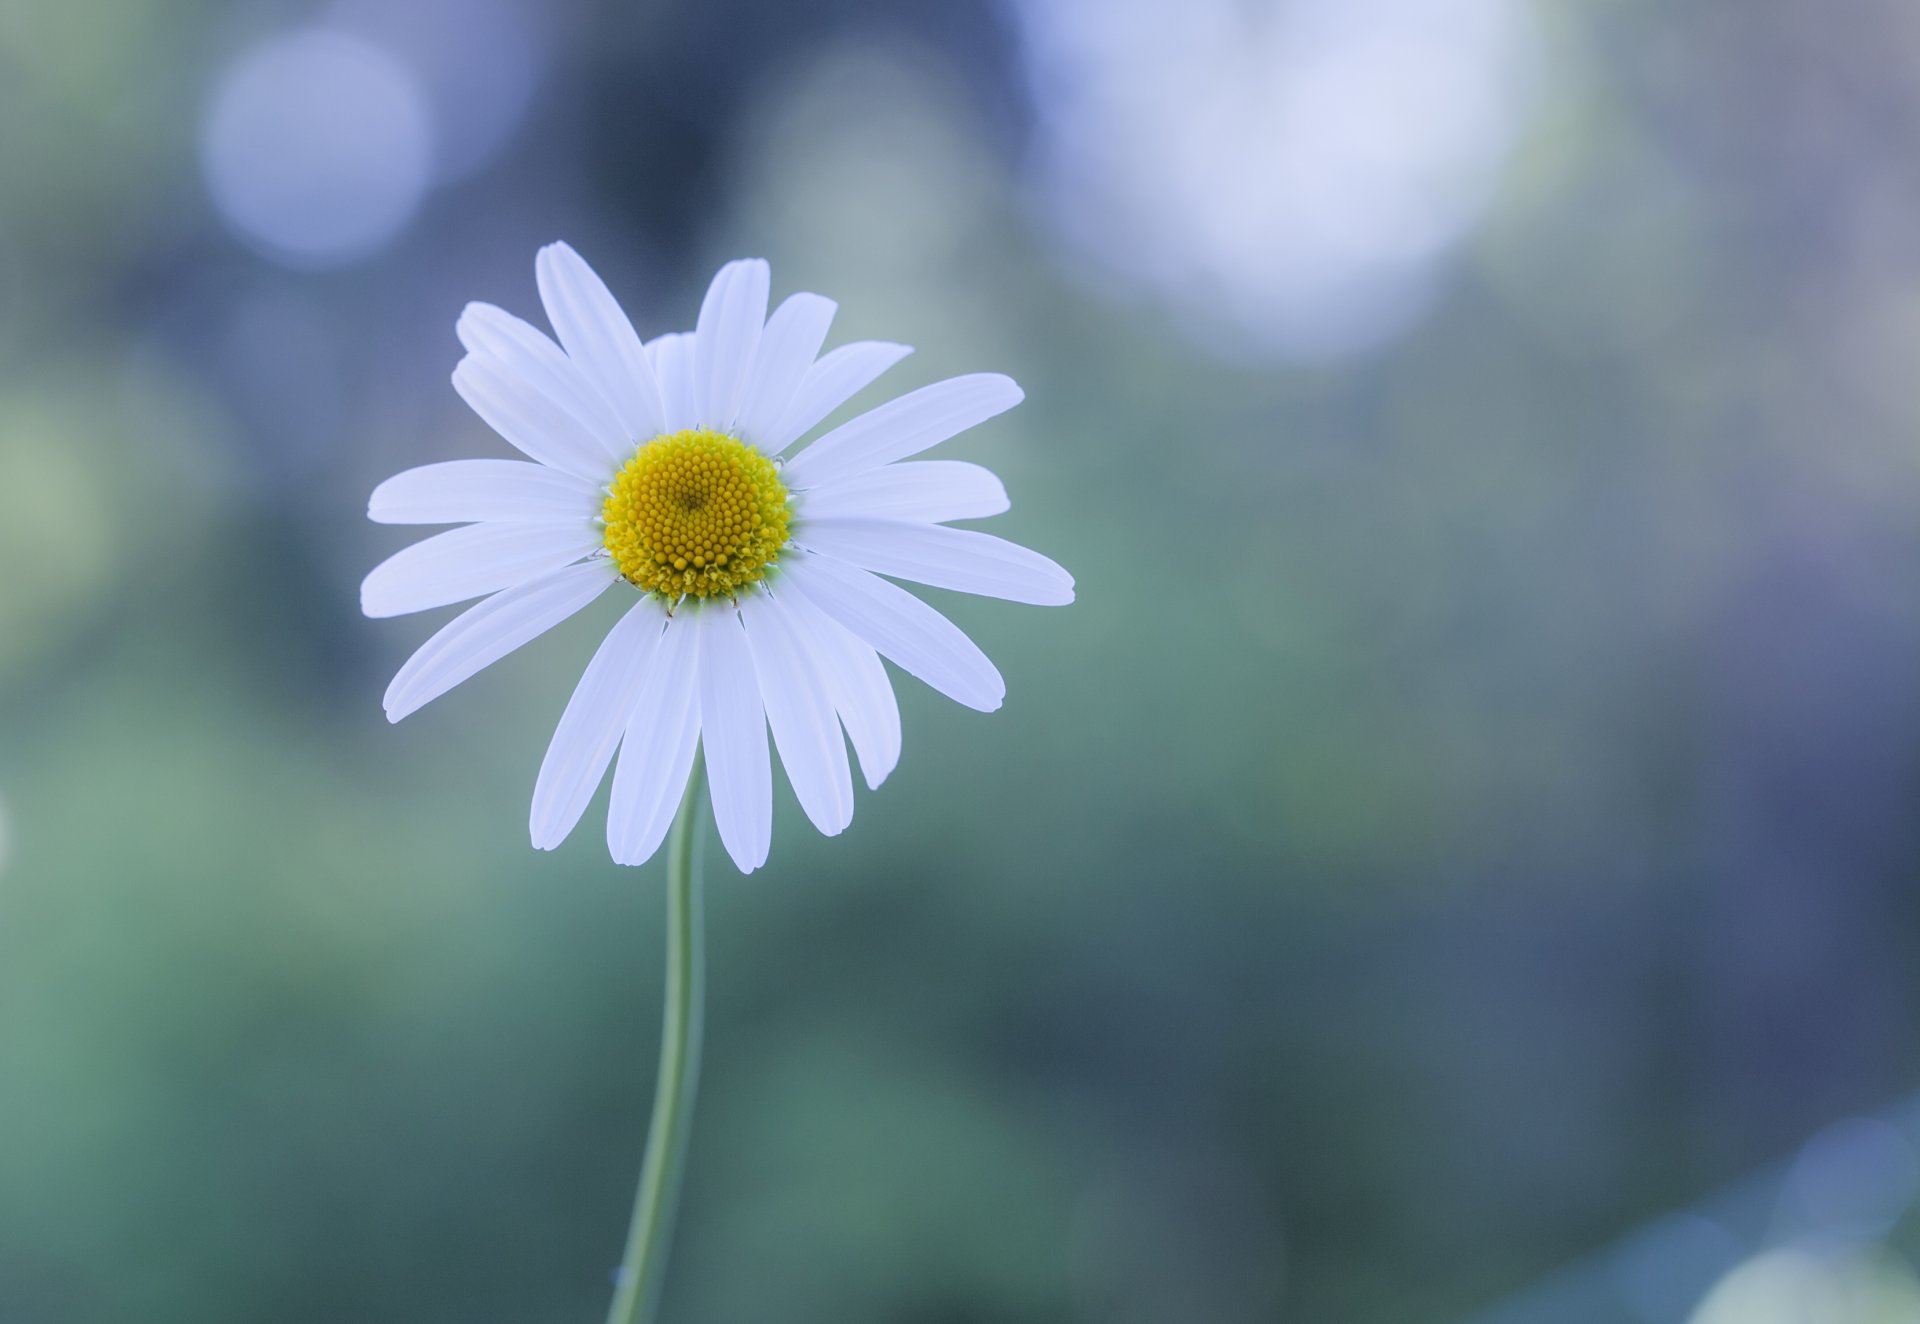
696, 513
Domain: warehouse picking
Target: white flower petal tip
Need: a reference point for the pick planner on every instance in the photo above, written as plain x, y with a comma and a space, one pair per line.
591, 727
927, 491
656, 755
918, 639
599, 339
537, 424
789, 344
903, 427
483, 491
483, 634
858, 686
525, 350
835, 378
962, 560
800, 711
727, 338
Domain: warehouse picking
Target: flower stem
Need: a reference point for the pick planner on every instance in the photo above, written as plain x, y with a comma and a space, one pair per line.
638, 1293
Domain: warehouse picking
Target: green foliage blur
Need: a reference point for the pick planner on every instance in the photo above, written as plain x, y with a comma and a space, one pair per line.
1467, 812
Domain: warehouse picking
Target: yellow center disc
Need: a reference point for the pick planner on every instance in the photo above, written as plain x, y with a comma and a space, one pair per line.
696, 513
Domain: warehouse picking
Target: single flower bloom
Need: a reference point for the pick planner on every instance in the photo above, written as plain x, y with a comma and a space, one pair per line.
758, 597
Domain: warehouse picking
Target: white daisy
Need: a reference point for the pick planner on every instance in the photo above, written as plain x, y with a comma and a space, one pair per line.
755, 581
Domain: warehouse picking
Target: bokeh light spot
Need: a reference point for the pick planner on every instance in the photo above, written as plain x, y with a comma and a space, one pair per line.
1798, 1285
317, 147
1289, 178
1856, 1178
479, 64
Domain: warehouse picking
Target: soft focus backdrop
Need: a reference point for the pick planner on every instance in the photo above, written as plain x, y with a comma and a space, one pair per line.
1456, 861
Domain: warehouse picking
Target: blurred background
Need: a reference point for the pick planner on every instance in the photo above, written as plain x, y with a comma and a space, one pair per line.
1455, 862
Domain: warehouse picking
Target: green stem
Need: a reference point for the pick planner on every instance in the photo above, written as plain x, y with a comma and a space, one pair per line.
638, 1293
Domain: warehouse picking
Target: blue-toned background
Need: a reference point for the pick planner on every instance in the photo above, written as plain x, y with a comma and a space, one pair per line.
1454, 857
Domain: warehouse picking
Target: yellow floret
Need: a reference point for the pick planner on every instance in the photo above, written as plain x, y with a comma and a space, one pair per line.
696, 513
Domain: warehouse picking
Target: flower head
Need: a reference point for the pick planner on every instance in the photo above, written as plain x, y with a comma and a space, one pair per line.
755, 581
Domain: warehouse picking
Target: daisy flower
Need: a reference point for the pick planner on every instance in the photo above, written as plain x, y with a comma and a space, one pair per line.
757, 582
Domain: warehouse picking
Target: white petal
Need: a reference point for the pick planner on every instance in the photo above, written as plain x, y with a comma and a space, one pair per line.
672, 356
469, 562
919, 639
963, 560
473, 491
858, 685
834, 379
483, 634
536, 425
733, 729
657, 755
800, 713
599, 338
932, 491
725, 339
792, 337
524, 349
903, 427
591, 727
